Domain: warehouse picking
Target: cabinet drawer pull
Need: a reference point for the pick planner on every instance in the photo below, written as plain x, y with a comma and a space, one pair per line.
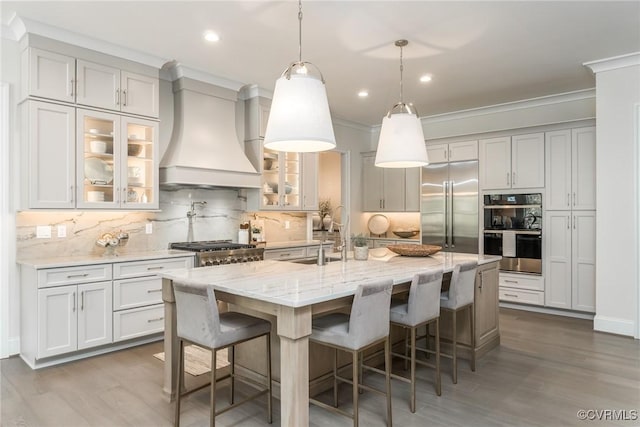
160, 267
513, 179
157, 319
508, 174
150, 291
71, 276
510, 281
82, 300
287, 254
124, 98
117, 96
511, 295
73, 297
71, 88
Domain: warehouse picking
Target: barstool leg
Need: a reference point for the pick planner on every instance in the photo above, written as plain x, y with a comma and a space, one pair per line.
387, 371
413, 370
212, 420
454, 341
406, 355
473, 337
360, 375
438, 382
356, 388
270, 394
232, 360
176, 420
335, 377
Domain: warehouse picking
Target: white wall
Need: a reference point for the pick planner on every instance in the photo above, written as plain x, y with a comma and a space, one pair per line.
617, 228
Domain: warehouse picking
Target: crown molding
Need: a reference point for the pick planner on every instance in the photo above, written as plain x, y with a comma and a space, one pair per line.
511, 106
614, 62
22, 26
177, 71
255, 91
352, 125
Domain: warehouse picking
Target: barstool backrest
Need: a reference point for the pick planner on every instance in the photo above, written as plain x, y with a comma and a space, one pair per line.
197, 317
424, 297
369, 320
461, 289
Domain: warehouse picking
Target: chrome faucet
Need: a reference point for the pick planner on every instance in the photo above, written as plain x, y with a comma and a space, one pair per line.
191, 213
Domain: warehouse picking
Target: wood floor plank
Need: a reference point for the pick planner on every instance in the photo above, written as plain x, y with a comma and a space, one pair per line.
545, 370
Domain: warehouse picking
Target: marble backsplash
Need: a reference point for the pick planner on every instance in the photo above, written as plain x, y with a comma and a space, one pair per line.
218, 219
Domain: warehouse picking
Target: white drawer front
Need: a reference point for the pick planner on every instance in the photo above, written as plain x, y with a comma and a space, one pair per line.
139, 292
69, 275
521, 281
312, 251
291, 253
383, 243
125, 270
522, 296
137, 322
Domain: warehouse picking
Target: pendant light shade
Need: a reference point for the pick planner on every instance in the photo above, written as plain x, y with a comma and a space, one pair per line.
401, 143
299, 120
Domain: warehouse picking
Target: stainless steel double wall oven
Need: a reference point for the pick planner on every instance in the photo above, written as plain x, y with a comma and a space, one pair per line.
513, 229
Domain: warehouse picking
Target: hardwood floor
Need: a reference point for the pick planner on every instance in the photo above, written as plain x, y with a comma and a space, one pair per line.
545, 370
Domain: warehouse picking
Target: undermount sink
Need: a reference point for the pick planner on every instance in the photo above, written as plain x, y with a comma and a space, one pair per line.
305, 261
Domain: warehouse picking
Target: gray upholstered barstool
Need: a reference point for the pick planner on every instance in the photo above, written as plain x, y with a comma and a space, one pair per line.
422, 308
199, 322
460, 296
366, 326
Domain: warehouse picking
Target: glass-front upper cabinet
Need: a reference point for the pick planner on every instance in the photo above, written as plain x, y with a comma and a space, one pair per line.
116, 161
280, 180
140, 159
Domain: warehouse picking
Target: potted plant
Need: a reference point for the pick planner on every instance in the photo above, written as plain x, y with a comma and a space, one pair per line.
360, 247
324, 207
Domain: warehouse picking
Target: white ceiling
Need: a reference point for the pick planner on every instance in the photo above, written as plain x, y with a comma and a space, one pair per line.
480, 53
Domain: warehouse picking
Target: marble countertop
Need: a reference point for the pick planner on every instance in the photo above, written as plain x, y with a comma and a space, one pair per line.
72, 261
298, 285
294, 244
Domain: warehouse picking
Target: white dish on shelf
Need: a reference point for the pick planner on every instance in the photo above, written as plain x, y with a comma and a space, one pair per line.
97, 171
378, 224
98, 146
94, 131
95, 196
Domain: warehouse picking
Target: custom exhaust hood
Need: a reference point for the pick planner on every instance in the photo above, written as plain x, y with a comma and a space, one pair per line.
204, 150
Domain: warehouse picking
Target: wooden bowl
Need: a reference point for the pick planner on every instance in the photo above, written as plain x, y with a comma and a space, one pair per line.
414, 250
405, 234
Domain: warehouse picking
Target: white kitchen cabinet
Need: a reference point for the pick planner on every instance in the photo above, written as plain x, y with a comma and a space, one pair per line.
521, 288
453, 152
310, 182
570, 169
512, 162
50, 75
257, 115
116, 161
389, 189
68, 309
570, 260
73, 317
75, 80
48, 155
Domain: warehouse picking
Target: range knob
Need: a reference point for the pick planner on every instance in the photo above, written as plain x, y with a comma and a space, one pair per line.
234, 260
215, 262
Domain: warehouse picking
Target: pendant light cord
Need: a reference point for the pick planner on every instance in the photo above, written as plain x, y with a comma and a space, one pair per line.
300, 30
401, 70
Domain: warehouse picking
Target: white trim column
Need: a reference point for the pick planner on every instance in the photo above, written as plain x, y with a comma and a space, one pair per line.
6, 235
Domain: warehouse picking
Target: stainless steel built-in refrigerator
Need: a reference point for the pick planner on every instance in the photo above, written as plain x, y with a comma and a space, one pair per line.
449, 206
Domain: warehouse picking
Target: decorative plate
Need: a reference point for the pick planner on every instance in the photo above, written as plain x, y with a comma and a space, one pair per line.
97, 171
414, 250
378, 224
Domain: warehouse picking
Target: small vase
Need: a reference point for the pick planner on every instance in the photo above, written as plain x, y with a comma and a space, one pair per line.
326, 222
361, 253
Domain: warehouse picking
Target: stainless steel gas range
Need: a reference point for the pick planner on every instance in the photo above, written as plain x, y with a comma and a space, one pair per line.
216, 252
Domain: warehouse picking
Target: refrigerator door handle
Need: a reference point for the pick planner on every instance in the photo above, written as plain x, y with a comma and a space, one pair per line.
453, 242
445, 191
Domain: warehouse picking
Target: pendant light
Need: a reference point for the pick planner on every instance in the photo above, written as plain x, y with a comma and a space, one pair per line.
401, 143
299, 120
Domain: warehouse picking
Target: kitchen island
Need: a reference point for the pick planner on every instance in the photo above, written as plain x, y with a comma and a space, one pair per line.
293, 293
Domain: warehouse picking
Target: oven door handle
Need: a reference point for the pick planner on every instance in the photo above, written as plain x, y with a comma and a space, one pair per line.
453, 242
445, 192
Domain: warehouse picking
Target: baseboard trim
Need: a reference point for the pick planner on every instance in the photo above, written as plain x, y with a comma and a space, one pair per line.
13, 345
546, 310
614, 325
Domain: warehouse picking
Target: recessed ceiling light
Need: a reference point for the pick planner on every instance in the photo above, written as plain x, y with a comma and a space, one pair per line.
426, 78
363, 94
210, 36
